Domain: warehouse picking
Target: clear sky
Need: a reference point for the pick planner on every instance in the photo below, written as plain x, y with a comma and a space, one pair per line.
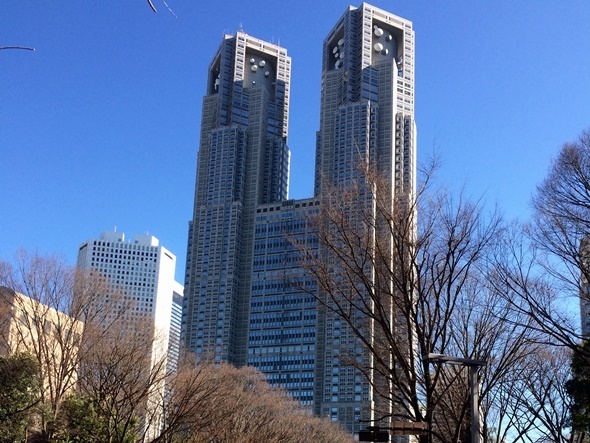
99, 126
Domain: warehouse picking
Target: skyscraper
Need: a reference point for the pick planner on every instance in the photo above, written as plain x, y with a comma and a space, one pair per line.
366, 123
247, 300
367, 102
243, 161
143, 272
283, 336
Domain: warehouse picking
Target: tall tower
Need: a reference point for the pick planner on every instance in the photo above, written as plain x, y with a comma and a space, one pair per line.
367, 99
142, 273
243, 161
247, 298
366, 123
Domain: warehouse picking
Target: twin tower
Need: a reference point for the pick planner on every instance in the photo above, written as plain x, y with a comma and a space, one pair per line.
247, 300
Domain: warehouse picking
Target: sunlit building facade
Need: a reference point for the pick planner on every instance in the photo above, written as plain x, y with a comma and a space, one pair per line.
243, 162
366, 123
142, 272
50, 336
247, 299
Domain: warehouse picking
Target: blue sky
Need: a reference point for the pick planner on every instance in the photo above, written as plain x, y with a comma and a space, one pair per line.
99, 126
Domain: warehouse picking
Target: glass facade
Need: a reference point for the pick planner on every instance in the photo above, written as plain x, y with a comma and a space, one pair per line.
283, 314
366, 123
247, 299
243, 162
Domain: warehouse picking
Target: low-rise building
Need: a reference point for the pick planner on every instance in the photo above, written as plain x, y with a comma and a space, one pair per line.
51, 336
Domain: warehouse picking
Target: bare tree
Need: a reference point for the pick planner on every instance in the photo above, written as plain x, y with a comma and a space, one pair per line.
410, 275
530, 402
103, 381
67, 320
562, 208
44, 321
190, 402
240, 406
546, 400
544, 272
121, 379
556, 270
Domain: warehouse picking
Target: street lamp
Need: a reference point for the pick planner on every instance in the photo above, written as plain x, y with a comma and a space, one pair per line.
473, 366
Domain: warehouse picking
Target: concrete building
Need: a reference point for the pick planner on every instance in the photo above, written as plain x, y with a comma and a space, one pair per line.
367, 101
243, 161
52, 337
247, 299
174, 344
283, 334
366, 122
142, 271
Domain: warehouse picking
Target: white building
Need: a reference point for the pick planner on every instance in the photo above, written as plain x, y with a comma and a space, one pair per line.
143, 272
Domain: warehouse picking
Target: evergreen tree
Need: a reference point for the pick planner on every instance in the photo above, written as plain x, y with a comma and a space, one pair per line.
19, 393
579, 390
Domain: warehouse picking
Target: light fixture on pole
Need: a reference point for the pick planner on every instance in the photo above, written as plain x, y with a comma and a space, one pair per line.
473, 366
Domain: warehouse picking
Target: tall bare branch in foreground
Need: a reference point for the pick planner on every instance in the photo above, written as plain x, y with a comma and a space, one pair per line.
410, 275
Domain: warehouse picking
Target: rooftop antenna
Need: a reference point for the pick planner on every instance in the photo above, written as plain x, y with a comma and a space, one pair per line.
240, 28
115, 228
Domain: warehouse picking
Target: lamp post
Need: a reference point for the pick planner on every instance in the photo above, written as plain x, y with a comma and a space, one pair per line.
473, 366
